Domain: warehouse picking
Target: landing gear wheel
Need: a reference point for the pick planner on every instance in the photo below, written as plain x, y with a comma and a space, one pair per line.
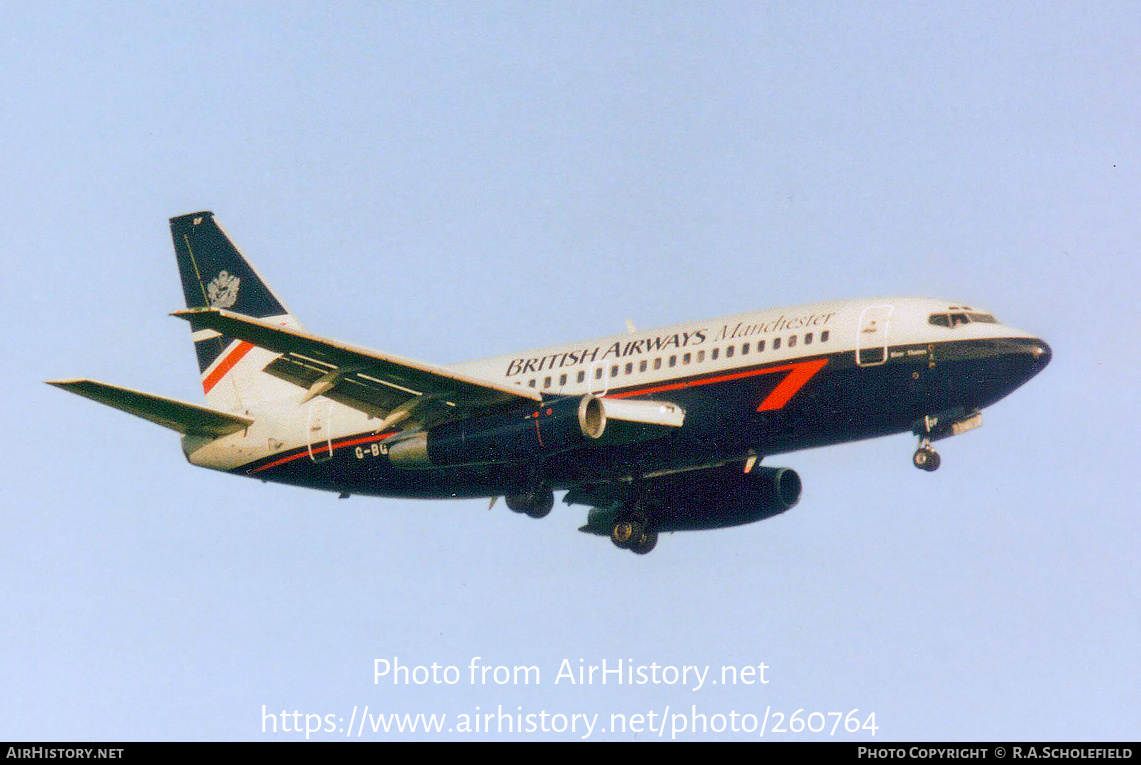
536, 504
631, 529
541, 504
625, 532
621, 533
926, 458
645, 542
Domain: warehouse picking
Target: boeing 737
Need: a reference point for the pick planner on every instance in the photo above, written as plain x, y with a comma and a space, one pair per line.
653, 431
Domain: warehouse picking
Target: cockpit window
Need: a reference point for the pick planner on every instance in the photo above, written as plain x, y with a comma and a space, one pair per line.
958, 319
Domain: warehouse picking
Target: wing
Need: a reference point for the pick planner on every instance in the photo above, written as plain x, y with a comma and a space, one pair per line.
176, 415
379, 384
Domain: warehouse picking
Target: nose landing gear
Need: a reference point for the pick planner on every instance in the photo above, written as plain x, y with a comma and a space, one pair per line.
925, 457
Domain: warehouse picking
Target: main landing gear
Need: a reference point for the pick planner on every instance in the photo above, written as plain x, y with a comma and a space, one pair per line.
536, 503
632, 531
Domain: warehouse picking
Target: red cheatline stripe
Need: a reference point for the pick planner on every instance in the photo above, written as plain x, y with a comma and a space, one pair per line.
801, 373
336, 445
227, 364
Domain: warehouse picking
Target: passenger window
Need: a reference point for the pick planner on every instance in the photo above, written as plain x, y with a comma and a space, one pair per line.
546, 382
729, 352
700, 356
642, 366
562, 380
630, 367
614, 371
824, 336
792, 341
531, 382
808, 339
776, 344
714, 354
598, 374
760, 346
744, 349
685, 358
581, 376
658, 363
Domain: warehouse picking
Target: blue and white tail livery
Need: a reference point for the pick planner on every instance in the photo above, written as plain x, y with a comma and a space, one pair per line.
214, 274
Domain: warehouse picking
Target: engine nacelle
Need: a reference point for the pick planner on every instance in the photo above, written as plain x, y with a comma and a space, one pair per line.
553, 427
712, 498
616, 420
729, 497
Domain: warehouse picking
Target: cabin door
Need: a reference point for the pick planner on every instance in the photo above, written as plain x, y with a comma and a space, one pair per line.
872, 336
319, 430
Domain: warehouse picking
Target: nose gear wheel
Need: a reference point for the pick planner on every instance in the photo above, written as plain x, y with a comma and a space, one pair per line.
926, 458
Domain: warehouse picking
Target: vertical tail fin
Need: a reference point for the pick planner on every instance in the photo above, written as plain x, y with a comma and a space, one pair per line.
215, 274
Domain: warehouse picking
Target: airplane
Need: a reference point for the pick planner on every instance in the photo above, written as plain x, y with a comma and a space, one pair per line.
653, 431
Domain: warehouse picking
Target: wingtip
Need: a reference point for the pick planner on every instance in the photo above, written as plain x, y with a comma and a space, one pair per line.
65, 383
189, 313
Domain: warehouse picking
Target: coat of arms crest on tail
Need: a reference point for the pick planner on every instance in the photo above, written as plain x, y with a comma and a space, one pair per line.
222, 290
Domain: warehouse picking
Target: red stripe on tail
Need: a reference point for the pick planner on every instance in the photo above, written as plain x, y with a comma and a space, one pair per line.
226, 365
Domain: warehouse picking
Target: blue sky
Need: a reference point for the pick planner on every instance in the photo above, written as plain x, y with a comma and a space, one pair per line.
449, 181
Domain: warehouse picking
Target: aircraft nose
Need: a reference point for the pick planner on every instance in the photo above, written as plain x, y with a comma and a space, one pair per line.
1029, 354
1040, 351
1035, 351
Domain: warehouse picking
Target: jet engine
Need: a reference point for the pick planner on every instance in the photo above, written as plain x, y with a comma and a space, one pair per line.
711, 498
552, 427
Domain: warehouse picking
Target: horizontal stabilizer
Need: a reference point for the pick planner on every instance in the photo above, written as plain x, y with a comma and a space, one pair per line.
176, 415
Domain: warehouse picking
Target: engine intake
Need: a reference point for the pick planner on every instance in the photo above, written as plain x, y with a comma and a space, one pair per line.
614, 420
